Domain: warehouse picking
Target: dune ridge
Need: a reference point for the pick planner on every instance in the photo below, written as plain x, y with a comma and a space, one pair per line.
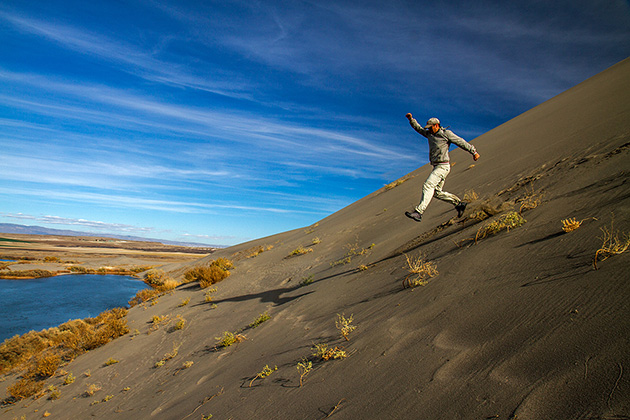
516, 325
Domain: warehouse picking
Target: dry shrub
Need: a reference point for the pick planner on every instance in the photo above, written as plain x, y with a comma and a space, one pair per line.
156, 278
42, 352
144, 295
46, 365
25, 388
507, 221
18, 349
420, 271
159, 281
27, 274
223, 263
168, 284
207, 276
612, 243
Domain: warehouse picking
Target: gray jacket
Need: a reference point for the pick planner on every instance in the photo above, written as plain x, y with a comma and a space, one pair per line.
440, 141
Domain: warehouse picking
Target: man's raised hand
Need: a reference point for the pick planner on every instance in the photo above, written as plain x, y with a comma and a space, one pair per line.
409, 116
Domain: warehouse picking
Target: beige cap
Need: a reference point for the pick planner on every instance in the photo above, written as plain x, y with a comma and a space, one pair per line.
432, 121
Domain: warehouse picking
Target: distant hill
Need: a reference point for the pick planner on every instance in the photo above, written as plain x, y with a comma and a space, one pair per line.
40, 230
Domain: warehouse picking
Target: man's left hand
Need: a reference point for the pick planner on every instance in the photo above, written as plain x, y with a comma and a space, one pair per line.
476, 156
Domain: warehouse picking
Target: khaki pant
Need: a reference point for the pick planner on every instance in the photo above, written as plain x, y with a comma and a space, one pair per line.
433, 187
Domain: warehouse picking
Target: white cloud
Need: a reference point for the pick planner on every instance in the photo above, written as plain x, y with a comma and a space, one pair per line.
126, 56
56, 220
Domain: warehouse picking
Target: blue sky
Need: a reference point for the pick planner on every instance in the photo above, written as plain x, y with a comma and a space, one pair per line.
224, 121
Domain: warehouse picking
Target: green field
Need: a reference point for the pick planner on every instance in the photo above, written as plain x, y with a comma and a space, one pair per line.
13, 240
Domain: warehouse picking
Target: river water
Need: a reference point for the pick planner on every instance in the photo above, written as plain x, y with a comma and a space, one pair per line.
38, 304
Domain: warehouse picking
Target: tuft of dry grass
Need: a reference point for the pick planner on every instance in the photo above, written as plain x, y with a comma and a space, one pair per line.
569, 225
229, 339
111, 361
180, 323
530, 200
208, 294
353, 251
420, 271
266, 371
396, 183
470, 195
344, 325
55, 394
311, 228
613, 243
507, 221
167, 356
307, 280
261, 318
92, 389
322, 351
304, 368
300, 250
255, 251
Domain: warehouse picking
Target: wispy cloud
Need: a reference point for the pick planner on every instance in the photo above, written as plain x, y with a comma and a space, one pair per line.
126, 57
102, 226
233, 126
221, 238
139, 203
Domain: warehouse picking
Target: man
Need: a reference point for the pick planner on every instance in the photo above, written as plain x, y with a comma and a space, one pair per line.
439, 141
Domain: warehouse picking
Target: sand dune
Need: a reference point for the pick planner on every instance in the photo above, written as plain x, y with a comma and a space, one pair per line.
518, 325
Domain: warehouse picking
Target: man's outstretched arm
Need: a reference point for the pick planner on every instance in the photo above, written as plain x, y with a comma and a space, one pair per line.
460, 142
420, 129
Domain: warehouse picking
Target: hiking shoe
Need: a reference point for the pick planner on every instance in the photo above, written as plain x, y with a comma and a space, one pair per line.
461, 207
414, 215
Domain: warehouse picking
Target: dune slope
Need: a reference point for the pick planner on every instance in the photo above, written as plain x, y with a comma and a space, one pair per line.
517, 324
